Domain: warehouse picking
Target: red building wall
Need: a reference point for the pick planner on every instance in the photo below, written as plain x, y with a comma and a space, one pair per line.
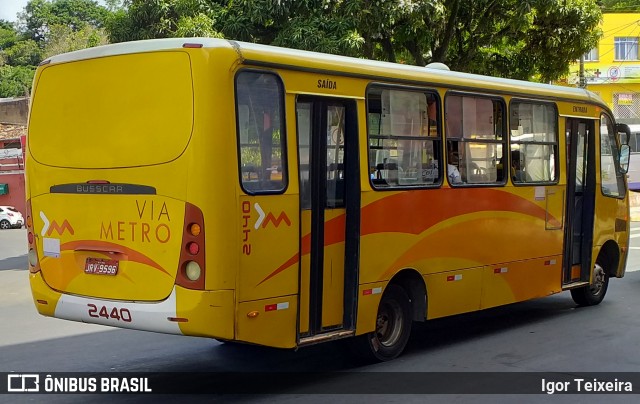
16, 195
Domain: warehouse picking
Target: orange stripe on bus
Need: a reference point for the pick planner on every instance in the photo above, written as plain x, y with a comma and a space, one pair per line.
281, 268
103, 246
396, 214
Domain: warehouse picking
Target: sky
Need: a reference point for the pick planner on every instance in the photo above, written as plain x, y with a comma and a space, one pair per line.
10, 8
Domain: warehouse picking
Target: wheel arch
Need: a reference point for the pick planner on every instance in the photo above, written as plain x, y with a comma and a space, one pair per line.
609, 257
413, 284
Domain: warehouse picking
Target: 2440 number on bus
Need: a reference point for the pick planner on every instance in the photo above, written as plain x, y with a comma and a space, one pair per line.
115, 313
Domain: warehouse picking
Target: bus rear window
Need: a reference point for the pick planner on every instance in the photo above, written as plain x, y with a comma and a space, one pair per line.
260, 132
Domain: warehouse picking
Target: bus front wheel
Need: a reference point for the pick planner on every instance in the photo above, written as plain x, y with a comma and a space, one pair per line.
393, 327
592, 294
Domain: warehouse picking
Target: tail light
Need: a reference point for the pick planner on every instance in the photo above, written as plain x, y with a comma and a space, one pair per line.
191, 273
34, 263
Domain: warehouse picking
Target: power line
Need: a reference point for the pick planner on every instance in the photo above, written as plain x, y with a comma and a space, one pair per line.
620, 28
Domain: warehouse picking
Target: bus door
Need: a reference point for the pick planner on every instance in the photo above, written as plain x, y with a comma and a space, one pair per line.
581, 178
330, 218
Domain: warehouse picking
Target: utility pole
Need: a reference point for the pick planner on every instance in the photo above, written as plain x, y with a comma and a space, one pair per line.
582, 81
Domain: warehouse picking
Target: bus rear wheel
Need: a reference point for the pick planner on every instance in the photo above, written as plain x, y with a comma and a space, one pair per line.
226, 341
393, 327
592, 294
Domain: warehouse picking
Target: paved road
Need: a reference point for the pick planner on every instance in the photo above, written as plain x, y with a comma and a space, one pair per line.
544, 335
633, 263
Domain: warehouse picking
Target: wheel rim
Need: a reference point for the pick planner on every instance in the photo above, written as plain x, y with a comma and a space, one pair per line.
4, 225
389, 323
598, 280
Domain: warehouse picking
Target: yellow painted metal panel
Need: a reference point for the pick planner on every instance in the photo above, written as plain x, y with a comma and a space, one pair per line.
108, 109
266, 270
142, 232
333, 272
443, 230
512, 282
275, 324
305, 265
44, 298
368, 303
210, 313
453, 292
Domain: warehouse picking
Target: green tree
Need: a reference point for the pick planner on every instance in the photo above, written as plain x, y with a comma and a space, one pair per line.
147, 19
8, 38
15, 51
305, 24
45, 28
15, 81
318, 26
23, 53
40, 15
511, 38
620, 6
63, 39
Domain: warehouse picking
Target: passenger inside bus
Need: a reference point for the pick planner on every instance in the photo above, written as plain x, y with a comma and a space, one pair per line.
452, 167
517, 173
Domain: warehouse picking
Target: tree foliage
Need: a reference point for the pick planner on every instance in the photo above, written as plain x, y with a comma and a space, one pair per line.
520, 38
8, 36
15, 81
163, 18
509, 38
45, 28
525, 39
62, 39
40, 15
620, 6
23, 53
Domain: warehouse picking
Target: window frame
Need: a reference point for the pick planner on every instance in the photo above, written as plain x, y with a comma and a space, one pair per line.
283, 133
587, 56
437, 139
556, 159
616, 160
619, 41
504, 141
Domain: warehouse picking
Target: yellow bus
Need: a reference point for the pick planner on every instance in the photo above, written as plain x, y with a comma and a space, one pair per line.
279, 197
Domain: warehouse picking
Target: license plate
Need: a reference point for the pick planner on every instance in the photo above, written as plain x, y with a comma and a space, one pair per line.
100, 266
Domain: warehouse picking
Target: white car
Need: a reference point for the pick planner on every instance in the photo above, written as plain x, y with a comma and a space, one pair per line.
10, 217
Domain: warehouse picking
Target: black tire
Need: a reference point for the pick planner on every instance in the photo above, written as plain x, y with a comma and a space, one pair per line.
226, 341
393, 327
590, 295
4, 224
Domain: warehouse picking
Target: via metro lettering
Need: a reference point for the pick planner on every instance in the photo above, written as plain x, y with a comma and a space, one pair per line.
151, 226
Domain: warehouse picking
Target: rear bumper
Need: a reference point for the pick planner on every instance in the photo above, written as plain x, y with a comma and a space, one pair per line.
185, 311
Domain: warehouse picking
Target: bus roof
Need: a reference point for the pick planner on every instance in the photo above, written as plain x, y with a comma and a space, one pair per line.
272, 56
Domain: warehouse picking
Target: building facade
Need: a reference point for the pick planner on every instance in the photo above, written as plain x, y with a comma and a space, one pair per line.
612, 69
13, 130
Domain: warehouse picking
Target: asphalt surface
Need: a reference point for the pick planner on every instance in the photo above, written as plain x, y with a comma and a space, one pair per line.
544, 335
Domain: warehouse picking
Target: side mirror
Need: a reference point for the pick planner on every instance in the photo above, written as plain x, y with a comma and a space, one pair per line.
622, 128
624, 158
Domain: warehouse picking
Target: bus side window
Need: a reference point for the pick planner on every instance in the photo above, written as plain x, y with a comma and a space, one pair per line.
260, 132
476, 139
404, 137
534, 142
